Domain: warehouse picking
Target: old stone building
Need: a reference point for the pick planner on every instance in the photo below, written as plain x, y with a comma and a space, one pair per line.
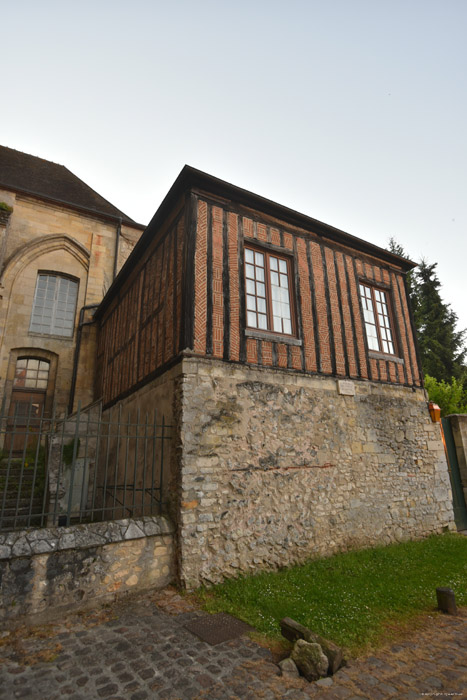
61, 245
281, 350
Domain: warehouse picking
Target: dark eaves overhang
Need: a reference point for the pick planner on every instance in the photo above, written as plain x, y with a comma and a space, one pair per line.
191, 179
114, 218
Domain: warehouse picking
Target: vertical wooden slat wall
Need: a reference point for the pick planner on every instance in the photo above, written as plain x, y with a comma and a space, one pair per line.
141, 331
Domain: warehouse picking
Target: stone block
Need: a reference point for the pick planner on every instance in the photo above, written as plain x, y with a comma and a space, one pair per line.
310, 660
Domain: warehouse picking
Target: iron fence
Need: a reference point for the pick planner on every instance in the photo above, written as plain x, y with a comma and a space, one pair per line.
91, 466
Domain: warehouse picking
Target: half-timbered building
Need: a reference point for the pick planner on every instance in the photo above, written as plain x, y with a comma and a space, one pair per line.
282, 352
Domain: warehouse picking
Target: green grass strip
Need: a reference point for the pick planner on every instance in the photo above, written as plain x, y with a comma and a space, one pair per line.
351, 597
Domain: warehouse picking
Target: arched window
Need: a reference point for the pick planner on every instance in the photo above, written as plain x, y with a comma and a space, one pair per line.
31, 374
54, 307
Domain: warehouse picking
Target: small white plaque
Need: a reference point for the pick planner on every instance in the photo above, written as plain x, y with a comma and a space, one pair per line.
345, 388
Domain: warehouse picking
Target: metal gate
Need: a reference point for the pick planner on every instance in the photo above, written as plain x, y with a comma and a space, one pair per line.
460, 508
91, 466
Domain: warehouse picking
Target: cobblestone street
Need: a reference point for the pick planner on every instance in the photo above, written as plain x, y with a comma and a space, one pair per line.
140, 650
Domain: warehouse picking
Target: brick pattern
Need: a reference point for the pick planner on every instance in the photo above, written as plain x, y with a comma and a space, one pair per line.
347, 315
340, 341
201, 279
234, 350
217, 290
306, 304
140, 332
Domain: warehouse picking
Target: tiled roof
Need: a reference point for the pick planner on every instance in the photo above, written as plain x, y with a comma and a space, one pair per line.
35, 176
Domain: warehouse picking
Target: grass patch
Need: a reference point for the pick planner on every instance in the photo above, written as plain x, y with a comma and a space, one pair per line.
357, 599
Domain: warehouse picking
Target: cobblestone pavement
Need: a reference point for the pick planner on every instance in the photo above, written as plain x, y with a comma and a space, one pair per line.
140, 650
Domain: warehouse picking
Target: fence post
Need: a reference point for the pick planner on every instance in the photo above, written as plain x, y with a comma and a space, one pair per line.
72, 473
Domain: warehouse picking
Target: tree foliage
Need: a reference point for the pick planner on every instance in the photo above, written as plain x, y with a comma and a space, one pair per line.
450, 397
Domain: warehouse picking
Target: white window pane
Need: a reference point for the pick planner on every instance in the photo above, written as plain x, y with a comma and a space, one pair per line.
260, 289
391, 348
260, 274
373, 343
251, 303
285, 311
262, 322
282, 266
54, 305
287, 326
21, 363
276, 293
277, 324
273, 263
252, 319
261, 303
250, 287
284, 281
276, 308
250, 271
284, 296
274, 278
259, 259
249, 257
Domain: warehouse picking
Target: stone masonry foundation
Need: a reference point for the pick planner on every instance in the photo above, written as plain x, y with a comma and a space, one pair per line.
277, 467
49, 570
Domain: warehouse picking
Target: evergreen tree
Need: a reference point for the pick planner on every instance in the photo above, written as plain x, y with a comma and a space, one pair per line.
396, 248
442, 347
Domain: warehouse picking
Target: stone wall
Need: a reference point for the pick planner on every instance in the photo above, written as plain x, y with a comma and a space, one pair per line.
45, 571
43, 236
277, 467
459, 430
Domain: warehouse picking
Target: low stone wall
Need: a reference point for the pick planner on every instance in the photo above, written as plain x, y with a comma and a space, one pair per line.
277, 467
51, 569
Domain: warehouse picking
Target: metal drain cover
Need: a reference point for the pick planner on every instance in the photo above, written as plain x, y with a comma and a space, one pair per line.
218, 628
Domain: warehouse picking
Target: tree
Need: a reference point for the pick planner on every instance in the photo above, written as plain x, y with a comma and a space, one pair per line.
449, 396
442, 348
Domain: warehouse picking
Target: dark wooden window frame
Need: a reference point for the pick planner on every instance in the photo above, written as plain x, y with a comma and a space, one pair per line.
392, 325
280, 255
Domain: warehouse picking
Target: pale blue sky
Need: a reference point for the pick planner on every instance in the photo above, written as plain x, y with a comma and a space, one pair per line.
351, 111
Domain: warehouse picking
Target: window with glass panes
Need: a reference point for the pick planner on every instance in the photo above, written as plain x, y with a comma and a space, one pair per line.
54, 307
31, 373
268, 300
377, 320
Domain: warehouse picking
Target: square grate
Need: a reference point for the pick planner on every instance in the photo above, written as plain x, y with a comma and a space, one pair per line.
217, 628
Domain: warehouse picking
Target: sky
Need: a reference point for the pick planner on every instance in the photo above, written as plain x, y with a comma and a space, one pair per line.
353, 112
